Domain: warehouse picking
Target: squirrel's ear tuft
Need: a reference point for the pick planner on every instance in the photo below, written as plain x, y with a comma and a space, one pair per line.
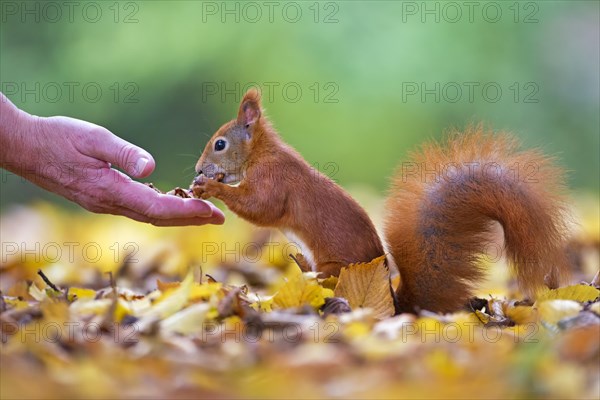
250, 109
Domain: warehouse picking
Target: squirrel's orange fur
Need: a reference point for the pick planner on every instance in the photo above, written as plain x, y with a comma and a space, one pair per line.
439, 212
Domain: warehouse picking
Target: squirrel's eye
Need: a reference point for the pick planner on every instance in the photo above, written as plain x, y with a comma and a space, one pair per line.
220, 145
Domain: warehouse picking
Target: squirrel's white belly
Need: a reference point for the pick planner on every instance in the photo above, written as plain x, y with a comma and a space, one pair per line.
302, 247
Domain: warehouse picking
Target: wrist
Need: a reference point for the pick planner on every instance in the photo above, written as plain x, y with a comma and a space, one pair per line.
15, 128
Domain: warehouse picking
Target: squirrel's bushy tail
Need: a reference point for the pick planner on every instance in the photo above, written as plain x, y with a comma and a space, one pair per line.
442, 208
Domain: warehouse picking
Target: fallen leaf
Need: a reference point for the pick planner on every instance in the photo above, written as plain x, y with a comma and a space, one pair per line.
367, 285
173, 300
301, 290
205, 290
189, 320
521, 314
580, 293
76, 293
552, 311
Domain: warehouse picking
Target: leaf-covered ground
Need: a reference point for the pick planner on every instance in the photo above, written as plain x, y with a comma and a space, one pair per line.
102, 307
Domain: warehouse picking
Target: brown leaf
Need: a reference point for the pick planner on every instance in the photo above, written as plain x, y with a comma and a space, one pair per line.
367, 285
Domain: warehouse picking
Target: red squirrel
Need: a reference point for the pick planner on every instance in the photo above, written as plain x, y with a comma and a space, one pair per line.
439, 213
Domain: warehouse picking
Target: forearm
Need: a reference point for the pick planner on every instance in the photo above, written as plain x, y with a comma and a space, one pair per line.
257, 206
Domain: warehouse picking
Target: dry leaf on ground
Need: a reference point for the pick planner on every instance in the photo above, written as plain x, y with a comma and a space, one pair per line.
367, 285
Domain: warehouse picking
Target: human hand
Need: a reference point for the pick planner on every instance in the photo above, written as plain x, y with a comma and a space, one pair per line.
74, 159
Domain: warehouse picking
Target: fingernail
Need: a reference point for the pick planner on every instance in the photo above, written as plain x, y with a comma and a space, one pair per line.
140, 165
216, 211
218, 216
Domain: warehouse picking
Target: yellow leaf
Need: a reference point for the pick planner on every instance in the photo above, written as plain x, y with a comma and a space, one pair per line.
367, 285
429, 327
465, 320
483, 317
264, 304
443, 364
80, 293
16, 303
329, 282
553, 311
205, 291
93, 307
299, 291
121, 310
357, 329
212, 314
580, 293
522, 314
174, 299
187, 321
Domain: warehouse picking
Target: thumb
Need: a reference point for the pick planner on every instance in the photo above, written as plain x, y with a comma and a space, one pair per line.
132, 159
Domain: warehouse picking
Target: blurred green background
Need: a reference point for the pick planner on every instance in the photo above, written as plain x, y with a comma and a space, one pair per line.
354, 83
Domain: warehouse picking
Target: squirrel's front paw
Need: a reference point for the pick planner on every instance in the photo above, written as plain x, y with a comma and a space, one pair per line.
205, 188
